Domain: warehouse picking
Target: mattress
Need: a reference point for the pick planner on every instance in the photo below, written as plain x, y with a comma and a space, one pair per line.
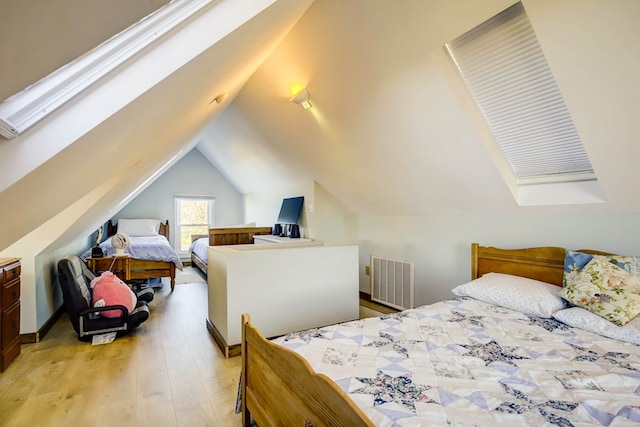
466, 362
201, 248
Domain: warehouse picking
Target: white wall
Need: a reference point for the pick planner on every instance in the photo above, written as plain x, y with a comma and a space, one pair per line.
48, 292
194, 175
263, 207
284, 290
440, 246
322, 216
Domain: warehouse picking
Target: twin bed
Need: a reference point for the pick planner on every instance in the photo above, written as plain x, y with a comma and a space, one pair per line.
497, 354
151, 255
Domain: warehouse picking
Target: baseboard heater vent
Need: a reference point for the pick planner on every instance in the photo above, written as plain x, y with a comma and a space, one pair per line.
392, 282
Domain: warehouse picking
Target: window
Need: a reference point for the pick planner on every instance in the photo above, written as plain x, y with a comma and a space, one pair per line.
22, 110
194, 215
505, 72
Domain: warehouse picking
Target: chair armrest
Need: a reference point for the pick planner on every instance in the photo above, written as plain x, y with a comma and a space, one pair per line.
90, 323
93, 310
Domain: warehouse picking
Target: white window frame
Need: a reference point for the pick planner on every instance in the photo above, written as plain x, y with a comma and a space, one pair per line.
24, 109
177, 235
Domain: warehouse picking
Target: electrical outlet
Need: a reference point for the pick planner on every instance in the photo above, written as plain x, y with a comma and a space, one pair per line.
367, 270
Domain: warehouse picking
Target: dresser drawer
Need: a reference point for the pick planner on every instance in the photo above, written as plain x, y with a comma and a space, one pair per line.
9, 272
8, 354
10, 293
10, 325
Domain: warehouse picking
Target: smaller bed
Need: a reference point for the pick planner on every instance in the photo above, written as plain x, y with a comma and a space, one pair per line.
199, 251
151, 255
221, 236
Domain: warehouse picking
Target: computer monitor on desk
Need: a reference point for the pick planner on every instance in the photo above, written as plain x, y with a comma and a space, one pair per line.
288, 217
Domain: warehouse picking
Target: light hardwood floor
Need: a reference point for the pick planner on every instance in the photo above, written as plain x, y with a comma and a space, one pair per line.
168, 372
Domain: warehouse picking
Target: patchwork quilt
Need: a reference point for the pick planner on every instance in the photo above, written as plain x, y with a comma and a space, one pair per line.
463, 362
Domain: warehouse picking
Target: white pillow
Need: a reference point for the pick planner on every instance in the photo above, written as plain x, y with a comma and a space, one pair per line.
517, 293
139, 227
584, 319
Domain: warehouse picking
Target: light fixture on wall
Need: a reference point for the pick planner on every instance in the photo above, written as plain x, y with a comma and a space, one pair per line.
218, 99
300, 96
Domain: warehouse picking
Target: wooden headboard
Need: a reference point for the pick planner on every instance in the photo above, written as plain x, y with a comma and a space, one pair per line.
543, 263
163, 231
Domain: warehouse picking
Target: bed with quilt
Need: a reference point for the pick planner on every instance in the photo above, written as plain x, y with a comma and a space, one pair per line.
513, 347
151, 254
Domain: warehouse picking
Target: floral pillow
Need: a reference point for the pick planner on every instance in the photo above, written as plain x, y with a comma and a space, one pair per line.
574, 261
606, 290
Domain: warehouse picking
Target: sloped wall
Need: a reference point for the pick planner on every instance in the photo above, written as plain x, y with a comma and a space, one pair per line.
191, 175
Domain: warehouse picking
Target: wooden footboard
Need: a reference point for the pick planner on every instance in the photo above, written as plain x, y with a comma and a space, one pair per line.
235, 235
127, 268
279, 388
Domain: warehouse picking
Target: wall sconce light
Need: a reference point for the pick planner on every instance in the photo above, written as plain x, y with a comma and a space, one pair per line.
218, 99
301, 97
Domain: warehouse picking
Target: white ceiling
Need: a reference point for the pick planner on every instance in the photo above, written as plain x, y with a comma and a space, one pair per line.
389, 131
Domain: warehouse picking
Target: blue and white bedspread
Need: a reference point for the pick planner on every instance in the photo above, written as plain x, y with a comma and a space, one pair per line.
201, 248
150, 248
463, 362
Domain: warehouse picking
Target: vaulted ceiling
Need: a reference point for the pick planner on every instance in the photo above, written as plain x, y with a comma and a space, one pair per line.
390, 130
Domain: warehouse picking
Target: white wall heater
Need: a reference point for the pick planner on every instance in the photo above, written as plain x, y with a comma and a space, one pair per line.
392, 282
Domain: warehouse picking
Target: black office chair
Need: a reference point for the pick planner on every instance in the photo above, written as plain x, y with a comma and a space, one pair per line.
75, 278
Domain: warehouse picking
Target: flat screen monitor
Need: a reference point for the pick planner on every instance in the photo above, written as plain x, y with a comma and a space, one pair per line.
290, 210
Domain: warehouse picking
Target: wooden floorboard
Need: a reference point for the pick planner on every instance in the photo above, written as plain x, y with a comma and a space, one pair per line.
169, 372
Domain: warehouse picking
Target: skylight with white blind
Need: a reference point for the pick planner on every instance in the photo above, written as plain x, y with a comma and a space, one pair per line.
506, 73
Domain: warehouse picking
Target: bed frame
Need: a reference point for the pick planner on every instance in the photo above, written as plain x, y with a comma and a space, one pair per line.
145, 269
195, 259
226, 236
272, 374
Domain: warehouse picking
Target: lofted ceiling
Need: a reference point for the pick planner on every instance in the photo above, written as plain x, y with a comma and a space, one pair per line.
390, 132
118, 136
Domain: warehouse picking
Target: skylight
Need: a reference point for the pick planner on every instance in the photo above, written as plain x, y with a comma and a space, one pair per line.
506, 73
23, 110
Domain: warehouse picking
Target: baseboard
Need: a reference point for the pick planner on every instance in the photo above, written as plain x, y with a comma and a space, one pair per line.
365, 301
227, 351
35, 337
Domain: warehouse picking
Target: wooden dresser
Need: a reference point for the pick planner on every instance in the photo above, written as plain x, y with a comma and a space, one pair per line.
9, 311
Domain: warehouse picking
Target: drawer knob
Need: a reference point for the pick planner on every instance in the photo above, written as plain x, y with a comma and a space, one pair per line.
14, 324
14, 294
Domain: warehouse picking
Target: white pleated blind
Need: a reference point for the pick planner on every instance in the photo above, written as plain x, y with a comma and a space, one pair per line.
505, 71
